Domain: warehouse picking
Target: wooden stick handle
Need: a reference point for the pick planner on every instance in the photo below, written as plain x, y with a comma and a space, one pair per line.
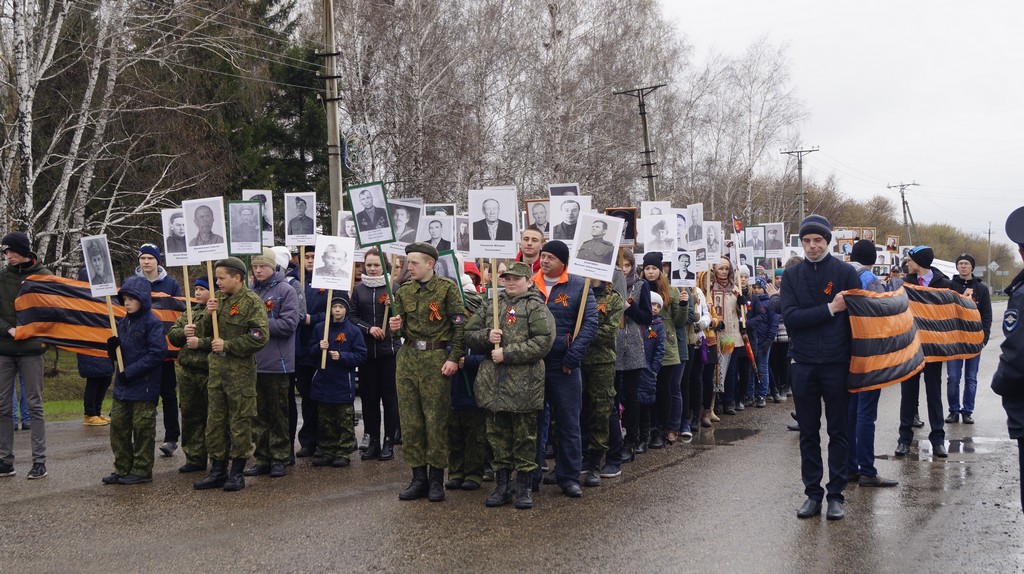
583, 308
213, 314
302, 266
327, 326
494, 294
188, 296
113, 329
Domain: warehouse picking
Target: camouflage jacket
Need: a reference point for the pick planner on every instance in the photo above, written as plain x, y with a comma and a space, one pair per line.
243, 325
433, 311
609, 317
528, 332
193, 359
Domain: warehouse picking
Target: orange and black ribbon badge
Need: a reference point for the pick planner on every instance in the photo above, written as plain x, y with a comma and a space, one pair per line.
511, 316
234, 310
435, 311
602, 308
651, 333
269, 304
828, 288
383, 299
340, 338
562, 298
321, 291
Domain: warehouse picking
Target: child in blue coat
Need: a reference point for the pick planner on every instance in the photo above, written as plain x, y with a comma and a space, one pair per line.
136, 386
334, 388
654, 352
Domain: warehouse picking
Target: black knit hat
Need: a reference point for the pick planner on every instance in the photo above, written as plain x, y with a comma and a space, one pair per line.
814, 223
967, 258
923, 256
558, 249
17, 242
652, 258
863, 252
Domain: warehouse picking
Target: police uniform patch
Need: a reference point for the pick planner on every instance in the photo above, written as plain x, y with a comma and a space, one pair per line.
256, 334
1010, 320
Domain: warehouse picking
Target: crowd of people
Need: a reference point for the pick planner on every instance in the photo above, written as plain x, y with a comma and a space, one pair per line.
553, 379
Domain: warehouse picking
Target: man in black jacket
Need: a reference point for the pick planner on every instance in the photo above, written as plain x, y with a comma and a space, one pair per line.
814, 312
966, 284
921, 272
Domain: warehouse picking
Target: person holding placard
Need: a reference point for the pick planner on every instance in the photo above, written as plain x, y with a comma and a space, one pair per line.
243, 329
160, 282
563, 385
431, 316
598, 376
193, 372
24, 357
136, 387
275, 363
307, 361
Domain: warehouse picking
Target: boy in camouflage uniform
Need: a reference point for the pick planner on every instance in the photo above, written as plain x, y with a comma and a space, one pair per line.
192, 370
430, 314
242, 322
598, 372
510, 385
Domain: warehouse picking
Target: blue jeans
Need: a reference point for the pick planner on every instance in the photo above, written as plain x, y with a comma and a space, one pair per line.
969, 368
761, 386
860, 431
565, 396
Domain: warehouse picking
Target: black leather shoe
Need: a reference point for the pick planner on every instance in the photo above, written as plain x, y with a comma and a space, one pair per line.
810, 508
657, 441
968, 419
277, 470
591, 478
939, 450
453, 484
902, 449
877, 481
918, 423
793, 427
387, 452
952, 418
835, 510
572, 490
372, 452
550, 478
306, 451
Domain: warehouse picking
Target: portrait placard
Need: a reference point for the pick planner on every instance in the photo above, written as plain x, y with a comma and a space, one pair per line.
300, 219
332, 268
794, 240
682, 227
346, 225
868, 233
892, 243
244, 236
683, 274
596, 246
447, 265
175, 244
754, 236
267, 208
774, 242
492, 232
695, 236
628, 217
440, 209
655, 208
713, 241
658, 233
205, 228
373, 215
437, 231
405, 218
845, 248
794, 252
98, 266
746, 255
462, 233
565, 214
563, 189
537, 211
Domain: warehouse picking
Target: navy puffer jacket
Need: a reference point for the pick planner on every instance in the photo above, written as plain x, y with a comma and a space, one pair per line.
336, 384
143, 346
564, 301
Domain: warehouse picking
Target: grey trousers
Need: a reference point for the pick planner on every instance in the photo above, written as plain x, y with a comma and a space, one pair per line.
31, 368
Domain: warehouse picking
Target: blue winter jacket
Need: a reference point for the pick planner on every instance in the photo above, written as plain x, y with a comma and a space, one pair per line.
815, 336
89, 366
564, 302
461, 399
765, 325
143, 346
163, 283
336, 384
316, 308
282, 304
654, 351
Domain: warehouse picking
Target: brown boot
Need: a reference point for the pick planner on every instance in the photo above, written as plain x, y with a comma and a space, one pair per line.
705, 418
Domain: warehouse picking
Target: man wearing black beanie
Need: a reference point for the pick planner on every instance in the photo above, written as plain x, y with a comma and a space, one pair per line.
24, 357
921, 273
563, 383
966, 284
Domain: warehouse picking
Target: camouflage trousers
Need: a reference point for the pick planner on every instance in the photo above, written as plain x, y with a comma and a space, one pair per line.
513, 438
467, 444
193, 403
598, 400
133, 437
424, 405
270, 431
230, 413
337, 433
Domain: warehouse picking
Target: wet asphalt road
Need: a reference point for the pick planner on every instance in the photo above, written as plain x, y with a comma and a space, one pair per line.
725, 502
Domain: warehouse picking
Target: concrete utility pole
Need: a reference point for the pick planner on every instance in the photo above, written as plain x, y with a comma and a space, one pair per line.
906, 209
988, 266
332, 98
800, 153
640, 93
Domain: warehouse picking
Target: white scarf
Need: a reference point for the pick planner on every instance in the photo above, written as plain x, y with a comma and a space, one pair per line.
373, 281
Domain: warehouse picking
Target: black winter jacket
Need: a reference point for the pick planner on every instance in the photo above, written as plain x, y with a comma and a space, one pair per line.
981, 296
815, 336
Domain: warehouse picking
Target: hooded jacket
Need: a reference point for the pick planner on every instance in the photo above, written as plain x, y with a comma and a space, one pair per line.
282, 305
336, 384
629, 341
815, 335
143, 346
163, 283
11, 278
528, 334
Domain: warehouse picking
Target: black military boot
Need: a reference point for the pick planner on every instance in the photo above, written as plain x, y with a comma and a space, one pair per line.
436, 492
236, 478
524, 494
502, 494
218, 474
418, 487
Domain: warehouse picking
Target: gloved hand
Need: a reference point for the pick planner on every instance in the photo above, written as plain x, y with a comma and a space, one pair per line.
112, 345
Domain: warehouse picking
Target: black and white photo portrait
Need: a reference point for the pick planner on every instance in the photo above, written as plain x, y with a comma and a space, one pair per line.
695, 239
595, 246
773, 243
300, 218
204, 228
267, 207
98, 266
628, 217
492, 233
537, 216
346, 225
563, 189
244, 235
175, 242
332, 267
437, 231
462, 234
754, 236
683, 274
565, 215
373, 215
405, 217
713, 240
439, 209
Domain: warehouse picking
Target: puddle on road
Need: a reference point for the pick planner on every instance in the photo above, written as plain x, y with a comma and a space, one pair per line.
723, 437
922, 449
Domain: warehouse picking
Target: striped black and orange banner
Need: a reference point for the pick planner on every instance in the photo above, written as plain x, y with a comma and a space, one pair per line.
62, 312
895, 334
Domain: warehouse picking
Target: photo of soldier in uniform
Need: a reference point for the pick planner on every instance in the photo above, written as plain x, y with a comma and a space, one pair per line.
98, 266
244, 237
266, 208
628, 217
299, 213
175, 242
374, 224
596, 244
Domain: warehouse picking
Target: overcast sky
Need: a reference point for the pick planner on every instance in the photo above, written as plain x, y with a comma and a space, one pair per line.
898, 91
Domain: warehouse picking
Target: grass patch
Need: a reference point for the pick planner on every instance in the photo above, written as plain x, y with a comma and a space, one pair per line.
63, 387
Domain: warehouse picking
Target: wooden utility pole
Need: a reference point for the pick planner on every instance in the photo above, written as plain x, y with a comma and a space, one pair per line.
641, 93
332, 98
